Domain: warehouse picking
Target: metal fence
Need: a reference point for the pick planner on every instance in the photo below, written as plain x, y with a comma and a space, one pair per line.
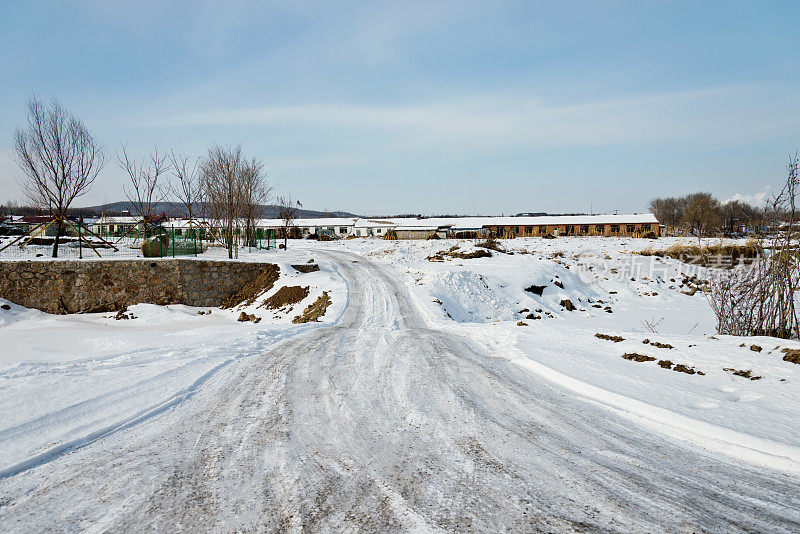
157, 242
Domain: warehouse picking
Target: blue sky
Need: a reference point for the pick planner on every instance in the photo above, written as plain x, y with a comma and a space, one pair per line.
426, 107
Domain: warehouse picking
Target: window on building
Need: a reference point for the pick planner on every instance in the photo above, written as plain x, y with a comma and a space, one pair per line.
529, 230
631, 228
542, 230
645, 228
600, 229
342, 230
378, 230
614, 228
585, 229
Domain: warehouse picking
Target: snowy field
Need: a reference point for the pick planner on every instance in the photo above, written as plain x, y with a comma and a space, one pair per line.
752, 420
66, 380
431, 380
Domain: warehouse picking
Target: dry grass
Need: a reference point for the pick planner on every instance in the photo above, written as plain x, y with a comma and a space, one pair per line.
492, 244
703, 255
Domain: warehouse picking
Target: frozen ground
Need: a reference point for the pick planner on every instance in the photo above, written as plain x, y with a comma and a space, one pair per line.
418, 404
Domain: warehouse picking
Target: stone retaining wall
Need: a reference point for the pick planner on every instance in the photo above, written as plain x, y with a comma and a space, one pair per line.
98, 286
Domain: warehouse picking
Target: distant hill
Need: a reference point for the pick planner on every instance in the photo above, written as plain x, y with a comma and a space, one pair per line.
176, 209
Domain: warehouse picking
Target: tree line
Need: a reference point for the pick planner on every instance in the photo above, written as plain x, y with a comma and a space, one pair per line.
702, 214
60, 160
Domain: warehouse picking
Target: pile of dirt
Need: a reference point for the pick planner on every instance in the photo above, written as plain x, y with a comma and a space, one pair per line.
306, 268
568, 305
285, 296
756, 348
681, 368
665, 364
315, 310
632, 356
244, 317
741, 372
248, 294
791, 355
657, 344
615, 339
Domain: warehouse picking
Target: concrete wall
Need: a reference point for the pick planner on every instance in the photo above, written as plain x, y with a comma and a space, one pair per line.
96, 286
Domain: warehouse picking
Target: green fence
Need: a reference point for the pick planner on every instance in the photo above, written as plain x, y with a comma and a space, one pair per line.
157, 242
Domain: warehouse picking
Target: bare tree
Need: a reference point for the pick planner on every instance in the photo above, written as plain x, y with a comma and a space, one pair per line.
288, 208
59, 158
219, 171
702, 214
146, 188
668, 211
254, 192
189, 187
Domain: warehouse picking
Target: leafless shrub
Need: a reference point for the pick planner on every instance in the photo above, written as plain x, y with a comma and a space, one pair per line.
146, 186
59, 158
759, 299
652, 325
188, 189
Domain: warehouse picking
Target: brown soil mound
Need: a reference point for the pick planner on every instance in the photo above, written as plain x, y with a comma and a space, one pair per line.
665, 364
638, 357
247, 294
480, 253
615, 339
741, 372
684, 369
568, 305
243, 318
792, 355
315, 310
306, 268
657, 344
755, 348
285, 296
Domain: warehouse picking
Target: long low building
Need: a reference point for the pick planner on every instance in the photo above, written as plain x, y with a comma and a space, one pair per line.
630, 225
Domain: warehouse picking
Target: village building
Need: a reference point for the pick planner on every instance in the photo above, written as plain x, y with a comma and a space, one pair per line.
372, 227
630, 225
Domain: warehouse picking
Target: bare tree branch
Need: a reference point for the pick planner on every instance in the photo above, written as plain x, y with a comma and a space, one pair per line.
59, 158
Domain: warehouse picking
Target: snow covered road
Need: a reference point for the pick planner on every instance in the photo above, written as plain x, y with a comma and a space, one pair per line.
381, 422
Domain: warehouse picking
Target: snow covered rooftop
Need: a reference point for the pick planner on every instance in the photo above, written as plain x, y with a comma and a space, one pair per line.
480, 222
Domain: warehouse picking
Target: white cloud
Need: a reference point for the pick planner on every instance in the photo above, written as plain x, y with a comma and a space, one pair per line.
755, 199
717, 116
